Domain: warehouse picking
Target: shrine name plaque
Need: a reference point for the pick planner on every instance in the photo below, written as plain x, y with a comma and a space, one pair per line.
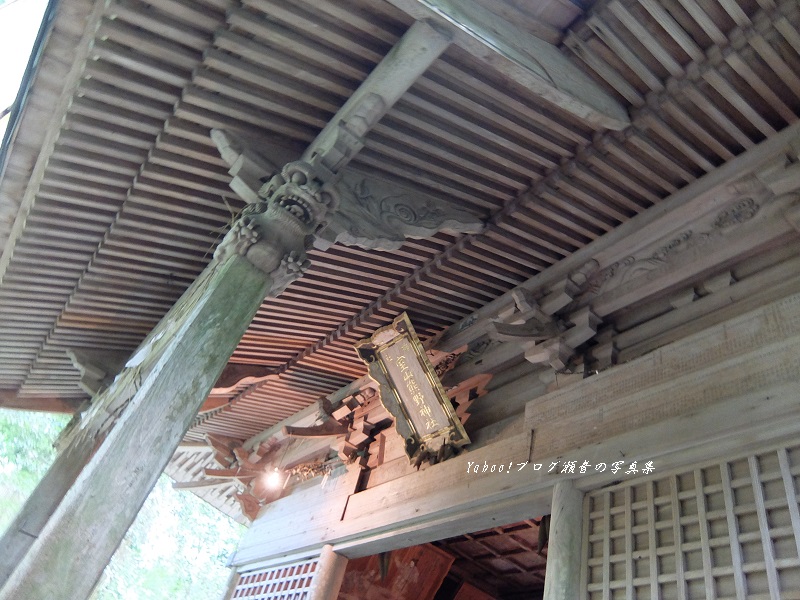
412, 392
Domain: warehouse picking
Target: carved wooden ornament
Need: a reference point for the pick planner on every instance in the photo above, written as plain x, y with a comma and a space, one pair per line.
411, 392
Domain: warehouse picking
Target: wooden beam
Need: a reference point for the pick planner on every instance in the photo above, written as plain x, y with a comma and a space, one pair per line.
328, 428
524, 58
194, 447
342, 137
307, 416
10, 399
200, 485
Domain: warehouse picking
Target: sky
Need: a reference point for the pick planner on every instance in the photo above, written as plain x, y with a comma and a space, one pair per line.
19, 24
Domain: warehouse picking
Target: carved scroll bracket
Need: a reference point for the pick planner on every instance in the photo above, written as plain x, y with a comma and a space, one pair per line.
365, 211
740, 203
379, 215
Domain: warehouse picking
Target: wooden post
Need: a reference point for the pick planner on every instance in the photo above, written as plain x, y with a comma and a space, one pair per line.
181, 361
562, 578
329, 576
233, 582
44, 500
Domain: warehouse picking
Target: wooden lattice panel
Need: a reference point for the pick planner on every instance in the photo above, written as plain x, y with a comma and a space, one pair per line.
285, 582
728, 531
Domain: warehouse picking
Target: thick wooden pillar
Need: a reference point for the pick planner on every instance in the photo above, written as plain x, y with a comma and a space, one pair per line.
329, 576
562, 578
155, 399
44, 500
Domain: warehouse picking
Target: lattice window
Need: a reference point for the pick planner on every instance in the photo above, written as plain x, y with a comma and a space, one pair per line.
285, 582
729, 531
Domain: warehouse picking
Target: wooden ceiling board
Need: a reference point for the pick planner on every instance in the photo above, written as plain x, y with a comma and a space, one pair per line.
503, 560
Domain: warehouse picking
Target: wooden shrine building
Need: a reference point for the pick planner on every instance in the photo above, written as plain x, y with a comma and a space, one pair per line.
588, 212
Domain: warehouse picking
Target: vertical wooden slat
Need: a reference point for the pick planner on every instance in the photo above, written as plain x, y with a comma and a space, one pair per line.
702, 521
607, 546
675, 31
628, 545
763, 525
680, 575
776, 62
733, 532
735, 12
702, 19
587, 509
647, 39
727, 91
652, 541
791, 495
746, 72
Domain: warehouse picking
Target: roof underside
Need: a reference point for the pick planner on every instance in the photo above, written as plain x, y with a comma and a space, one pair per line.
123, 195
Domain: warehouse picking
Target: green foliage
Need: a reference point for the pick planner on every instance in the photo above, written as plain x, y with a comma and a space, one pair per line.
26, 451
177, 547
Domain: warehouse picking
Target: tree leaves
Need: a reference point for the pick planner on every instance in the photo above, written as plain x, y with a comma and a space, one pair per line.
26, 451
177, 547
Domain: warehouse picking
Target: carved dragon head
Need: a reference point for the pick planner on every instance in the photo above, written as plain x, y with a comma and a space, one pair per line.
297, 198
274, 233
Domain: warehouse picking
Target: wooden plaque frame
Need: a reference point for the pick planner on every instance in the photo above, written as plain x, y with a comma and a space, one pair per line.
411, 391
